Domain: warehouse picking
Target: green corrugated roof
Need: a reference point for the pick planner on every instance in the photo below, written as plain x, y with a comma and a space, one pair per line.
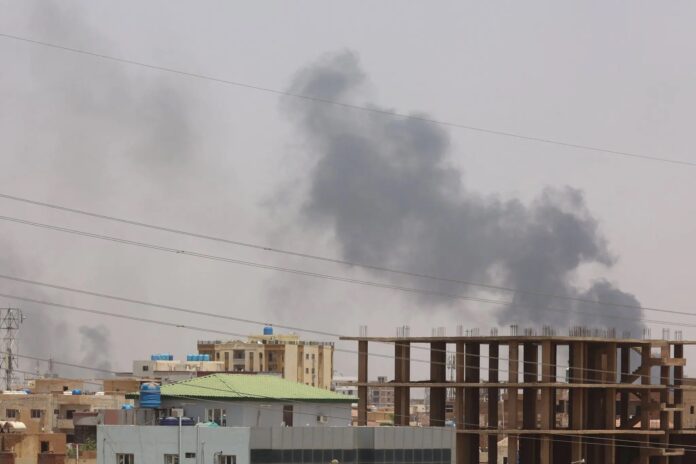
244, 387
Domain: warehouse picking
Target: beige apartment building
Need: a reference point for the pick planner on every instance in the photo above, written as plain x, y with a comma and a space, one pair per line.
51, 405
307, 362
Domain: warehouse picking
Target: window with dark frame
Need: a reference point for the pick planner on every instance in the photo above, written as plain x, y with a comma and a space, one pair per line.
125, 458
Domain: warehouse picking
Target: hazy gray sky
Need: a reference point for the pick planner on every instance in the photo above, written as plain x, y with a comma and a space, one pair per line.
232, 162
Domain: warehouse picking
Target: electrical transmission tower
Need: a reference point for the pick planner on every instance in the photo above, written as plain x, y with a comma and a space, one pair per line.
10, 320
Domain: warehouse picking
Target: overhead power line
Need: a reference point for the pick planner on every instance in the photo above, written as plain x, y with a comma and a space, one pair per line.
331, 259
167, 323
629, 443
369, 283
351, 106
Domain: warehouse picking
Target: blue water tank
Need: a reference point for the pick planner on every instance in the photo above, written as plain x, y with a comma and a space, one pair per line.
150, 396
127, 406
268, 330
77, 392
189, 357
206, 357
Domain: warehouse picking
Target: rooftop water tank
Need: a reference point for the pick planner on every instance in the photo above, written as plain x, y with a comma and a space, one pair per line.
77, 392
127, 406
268, 330
150, 396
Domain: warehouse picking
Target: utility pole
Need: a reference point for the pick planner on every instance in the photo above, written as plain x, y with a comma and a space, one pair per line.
10, 320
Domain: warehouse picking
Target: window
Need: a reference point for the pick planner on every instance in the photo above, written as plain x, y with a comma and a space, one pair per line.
306, 370
691, 410
45, 447
306, 356
287, 415
146, 368
36, 413
227, 459
122, 458
69, 413
56, 412
11, 413
171, 459
312, 355
190, 455
216, 415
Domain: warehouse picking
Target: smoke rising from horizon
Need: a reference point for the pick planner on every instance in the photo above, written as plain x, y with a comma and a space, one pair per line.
387, 190
106, 131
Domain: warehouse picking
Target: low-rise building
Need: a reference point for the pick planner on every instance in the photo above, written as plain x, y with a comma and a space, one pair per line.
244, 400
166, 369
203, 444
53, 409
381, 397
307, 362
345, 385
29, 448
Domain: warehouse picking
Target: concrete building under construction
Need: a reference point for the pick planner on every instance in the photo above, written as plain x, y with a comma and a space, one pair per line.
623, 399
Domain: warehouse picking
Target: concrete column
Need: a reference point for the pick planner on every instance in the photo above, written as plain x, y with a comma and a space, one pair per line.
624, 394
610, 377
513, 378
528, 447
472, 400
362, 379
678, 382
460, 364
402, 373
459, 391
493, 354
577, 397
645, 393
548, 400
438, 373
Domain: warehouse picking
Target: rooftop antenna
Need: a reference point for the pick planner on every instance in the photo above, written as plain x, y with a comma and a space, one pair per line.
10, 320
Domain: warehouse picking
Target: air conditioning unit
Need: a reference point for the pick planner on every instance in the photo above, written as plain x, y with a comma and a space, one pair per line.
177, 412
322, 419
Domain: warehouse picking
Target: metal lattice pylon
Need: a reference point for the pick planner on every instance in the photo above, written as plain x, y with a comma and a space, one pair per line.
10, 320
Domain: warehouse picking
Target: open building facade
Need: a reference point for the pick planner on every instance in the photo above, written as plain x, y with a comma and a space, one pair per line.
609, 400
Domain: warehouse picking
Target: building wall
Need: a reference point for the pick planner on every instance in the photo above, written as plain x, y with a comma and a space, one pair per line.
27, 446
149, 444
310, 363
365, 445
148, 368
268, 414
55, 409
349, 445
54, 385
122, 385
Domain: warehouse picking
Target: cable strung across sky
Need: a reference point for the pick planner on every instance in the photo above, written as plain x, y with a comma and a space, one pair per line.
301, 272
367, 109
330, 259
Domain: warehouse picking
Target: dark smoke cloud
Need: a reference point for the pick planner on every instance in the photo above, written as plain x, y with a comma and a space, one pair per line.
95, 344
93, 129
386, 189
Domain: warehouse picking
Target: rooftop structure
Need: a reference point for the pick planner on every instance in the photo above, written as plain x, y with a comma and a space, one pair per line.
286, 355
255, 400
603, 373
165, 368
